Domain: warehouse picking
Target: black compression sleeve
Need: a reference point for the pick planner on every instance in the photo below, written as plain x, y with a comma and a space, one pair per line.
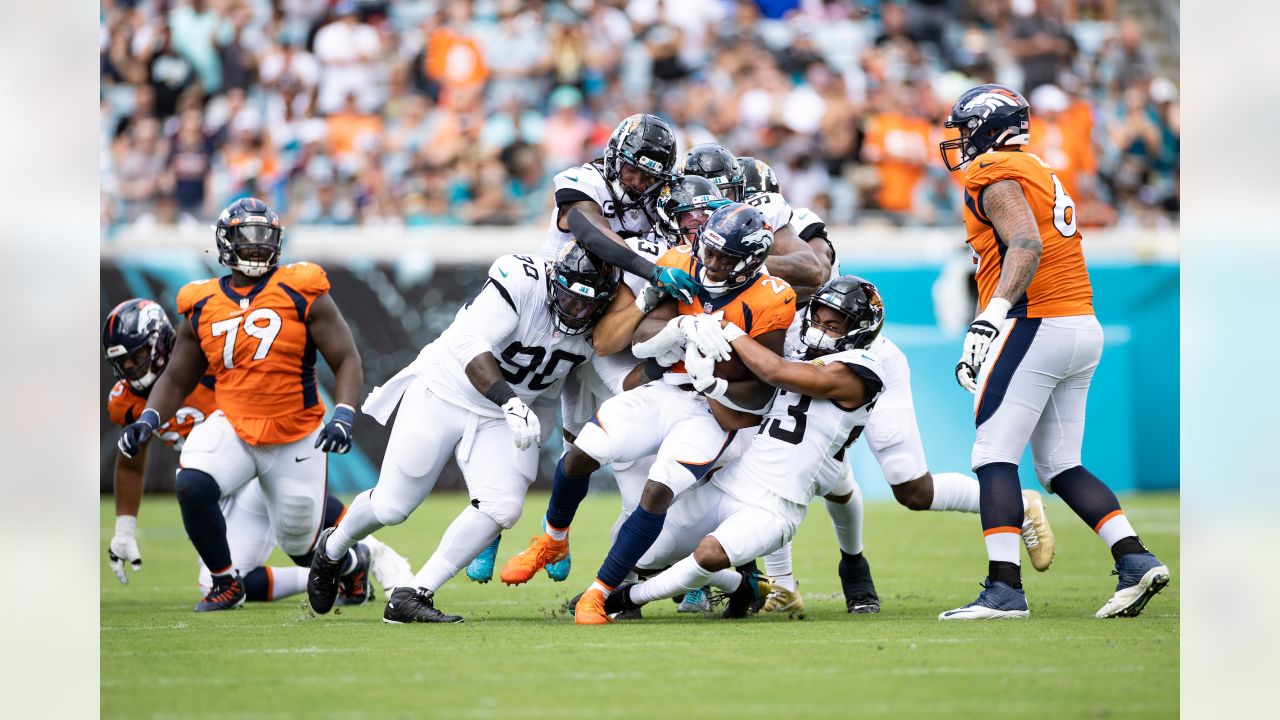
600, 245
499, 393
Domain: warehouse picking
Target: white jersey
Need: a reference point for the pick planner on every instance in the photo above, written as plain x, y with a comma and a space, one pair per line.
807, 225
510, 318
799, 451
586, 182
775, 208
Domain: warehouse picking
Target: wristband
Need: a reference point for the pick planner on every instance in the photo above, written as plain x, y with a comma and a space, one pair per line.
499, 393
344, 413
126, 524
653, 369
154, 423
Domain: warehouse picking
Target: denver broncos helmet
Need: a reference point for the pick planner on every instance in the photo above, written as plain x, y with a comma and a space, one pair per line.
137, 339
988, 116
738, 234
249, 226
859, 303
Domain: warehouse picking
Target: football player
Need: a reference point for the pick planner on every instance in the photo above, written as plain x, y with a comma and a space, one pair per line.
484, 392
688, 425
755, 504
256, 331
1031, 352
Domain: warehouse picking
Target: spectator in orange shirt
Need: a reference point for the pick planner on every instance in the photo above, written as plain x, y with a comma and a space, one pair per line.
454, 58
347, 125
1061, 136
897, 143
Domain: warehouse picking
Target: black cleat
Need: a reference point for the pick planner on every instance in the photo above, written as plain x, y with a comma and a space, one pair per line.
227, 593
322, 580
354, 588
855, 579
754, 588
414, 605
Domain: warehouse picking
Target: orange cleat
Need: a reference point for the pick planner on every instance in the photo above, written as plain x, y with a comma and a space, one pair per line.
542, 551
590, 609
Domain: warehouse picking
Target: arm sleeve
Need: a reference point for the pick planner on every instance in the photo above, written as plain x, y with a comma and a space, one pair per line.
591, 237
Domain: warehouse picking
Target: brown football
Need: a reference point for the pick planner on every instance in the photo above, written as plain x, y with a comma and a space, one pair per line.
732, 369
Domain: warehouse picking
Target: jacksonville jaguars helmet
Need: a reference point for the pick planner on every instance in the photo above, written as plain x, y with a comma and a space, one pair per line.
736, 239
647, 143
137, 339
718, 165
249, 226
691, 199
580, 288
988, 117
859, 303
757, 177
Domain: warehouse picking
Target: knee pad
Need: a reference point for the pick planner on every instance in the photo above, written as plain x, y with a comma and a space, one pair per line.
385, 513
595, 442
196, 486
900, 467
505, 512
296, 523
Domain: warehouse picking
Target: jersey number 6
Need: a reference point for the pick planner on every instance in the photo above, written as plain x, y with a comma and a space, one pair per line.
266, 334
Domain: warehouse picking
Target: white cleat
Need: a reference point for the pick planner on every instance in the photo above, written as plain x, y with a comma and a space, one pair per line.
1036, 533
389, 568
998, 601
1141, 577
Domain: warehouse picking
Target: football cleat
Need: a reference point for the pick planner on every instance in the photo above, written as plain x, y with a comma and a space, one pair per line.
558, 571
322, 580
753, 588
855, 579
227, 593
481, 568
414, 605
695, 601
1141, 577
542, 551
617, 606
354, 588
1036, 533
997, 601
590, 609
782, 600
389, 568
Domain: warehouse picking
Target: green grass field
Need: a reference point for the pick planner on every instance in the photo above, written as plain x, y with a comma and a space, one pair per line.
519, 656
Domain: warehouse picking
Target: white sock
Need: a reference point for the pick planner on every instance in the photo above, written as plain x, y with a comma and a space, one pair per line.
468, 534
846, 518
955, 491
676, 580
777, 565
1115, 528
555, 534
286, 581
726, 580
1004, 547
358, 523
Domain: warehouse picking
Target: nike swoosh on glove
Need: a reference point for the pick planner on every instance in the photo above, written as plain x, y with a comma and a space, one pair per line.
701, 370
675, 282
136, 434
983, 331
649, 298
525, 428
705, 333
335, 436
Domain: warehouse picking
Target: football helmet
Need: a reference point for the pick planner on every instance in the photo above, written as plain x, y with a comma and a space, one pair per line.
644, 142
855, 299
137, 339
736, 239
249, 237
580, 287
988, 117
690, 200
718, 165
757, 178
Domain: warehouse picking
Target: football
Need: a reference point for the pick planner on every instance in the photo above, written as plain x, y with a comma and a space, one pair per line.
732, 369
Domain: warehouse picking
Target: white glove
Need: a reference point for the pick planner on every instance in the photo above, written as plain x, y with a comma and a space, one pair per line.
649, 298
977, 342
704, 331
525, 428
124, 548
667, 346
701, 371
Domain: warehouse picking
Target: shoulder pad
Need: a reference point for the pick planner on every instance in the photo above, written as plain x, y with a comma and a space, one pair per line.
307, 278
192, 292
993, 167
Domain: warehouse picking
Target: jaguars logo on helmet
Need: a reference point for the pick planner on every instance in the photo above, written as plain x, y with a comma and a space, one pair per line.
647, 143
859, 303
758, 178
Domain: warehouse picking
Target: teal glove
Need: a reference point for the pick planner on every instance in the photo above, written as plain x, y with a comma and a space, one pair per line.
674, 282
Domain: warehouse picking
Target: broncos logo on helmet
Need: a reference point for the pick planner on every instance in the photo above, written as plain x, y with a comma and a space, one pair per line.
988, 117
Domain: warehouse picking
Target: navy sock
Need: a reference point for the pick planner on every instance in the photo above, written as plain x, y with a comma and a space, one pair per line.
567, 493
257, 585
635, 537
333, 509
1000, 506
1091, 499
198, 496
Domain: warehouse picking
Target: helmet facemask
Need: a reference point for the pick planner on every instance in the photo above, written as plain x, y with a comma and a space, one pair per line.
841, 330
251, 248
710, 255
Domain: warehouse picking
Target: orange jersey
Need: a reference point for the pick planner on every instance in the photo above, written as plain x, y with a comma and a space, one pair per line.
1061, 285
766, 303
260, 350
901, 146
125, 406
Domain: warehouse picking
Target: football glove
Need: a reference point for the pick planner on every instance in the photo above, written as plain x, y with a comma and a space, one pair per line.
977, 342
124, 548
136, 434
335, 436
525, 428
675, 282
667, 346
649, 298
701, 371
704, 332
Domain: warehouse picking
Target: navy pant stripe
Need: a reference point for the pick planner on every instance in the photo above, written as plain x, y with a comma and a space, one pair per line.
1011, 354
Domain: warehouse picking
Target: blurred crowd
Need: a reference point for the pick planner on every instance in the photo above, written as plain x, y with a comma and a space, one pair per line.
447, 112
